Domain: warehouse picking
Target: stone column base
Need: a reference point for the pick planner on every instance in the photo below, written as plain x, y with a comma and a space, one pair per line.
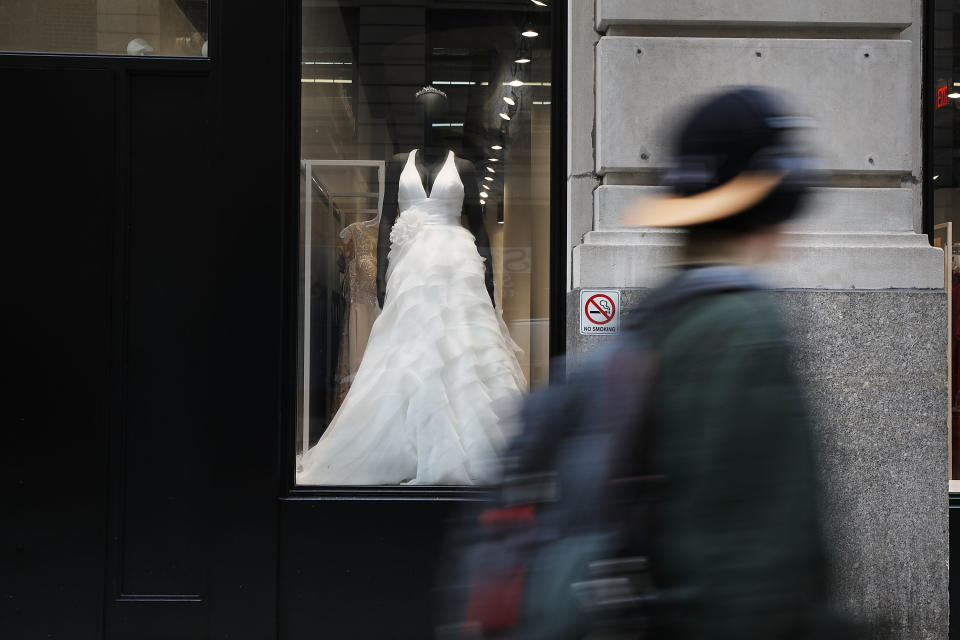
875, 367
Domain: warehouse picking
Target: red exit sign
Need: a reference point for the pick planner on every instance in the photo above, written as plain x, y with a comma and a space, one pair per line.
942, 99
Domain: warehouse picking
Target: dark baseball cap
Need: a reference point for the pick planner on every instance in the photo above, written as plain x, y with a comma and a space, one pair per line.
735, 165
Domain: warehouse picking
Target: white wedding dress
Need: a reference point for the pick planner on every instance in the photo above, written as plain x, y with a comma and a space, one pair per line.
439, 381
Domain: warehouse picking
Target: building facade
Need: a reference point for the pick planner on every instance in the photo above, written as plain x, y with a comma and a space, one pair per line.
858, 279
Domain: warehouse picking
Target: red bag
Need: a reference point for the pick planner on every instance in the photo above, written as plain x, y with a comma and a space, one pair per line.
496, 593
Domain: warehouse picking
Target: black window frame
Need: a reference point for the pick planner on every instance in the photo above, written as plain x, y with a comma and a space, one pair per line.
928, 111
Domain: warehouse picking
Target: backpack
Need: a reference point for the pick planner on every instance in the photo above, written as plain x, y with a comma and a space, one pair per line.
562, 552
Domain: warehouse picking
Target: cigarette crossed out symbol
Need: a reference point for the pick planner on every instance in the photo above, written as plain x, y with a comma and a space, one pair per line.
600, 309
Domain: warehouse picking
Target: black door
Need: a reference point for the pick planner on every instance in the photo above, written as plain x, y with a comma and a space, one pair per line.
142, 240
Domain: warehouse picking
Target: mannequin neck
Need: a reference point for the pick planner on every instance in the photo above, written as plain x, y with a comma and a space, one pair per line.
434, 148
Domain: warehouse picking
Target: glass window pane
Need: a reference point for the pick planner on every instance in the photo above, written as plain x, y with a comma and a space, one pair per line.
946, 189
425, 237
107, 27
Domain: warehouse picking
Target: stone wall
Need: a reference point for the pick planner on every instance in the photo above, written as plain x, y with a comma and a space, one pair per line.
874, 365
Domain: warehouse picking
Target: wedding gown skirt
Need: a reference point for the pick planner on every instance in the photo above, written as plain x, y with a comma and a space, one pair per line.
439, 381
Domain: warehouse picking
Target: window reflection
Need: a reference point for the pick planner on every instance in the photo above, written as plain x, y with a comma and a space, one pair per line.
945, 177
108, 27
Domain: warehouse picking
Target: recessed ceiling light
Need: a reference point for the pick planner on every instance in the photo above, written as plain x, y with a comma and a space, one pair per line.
953, 95
494, 159
483, 202
529, 33
510, 101
516, 83
539, 3
484, 194
499, 221
522, 60
488, 178
936, 176
496, 147
491, 170
504, 116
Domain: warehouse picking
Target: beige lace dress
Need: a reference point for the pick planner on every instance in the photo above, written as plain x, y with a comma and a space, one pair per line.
358, 250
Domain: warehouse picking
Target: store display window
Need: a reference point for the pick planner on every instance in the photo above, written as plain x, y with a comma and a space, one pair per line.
424, 237
943, 174
106, 27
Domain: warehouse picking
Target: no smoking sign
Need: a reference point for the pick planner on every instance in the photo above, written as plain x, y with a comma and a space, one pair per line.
600, 312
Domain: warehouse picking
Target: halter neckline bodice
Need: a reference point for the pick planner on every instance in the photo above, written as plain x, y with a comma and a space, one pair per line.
445, 201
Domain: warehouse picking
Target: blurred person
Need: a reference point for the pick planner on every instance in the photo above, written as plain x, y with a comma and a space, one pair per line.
737, 521
668, 488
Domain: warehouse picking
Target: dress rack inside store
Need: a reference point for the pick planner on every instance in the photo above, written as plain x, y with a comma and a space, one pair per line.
342, 207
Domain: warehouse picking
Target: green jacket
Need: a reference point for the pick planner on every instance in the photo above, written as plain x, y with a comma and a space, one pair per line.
738, 522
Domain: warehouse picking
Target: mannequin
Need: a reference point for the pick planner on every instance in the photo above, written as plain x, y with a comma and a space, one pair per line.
439, 378
357, 260
429, 161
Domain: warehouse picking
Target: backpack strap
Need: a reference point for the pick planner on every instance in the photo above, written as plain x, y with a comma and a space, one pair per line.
631, 380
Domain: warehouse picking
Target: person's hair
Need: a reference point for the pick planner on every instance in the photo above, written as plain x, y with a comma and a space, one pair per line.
707, 245
778, 207
721, 241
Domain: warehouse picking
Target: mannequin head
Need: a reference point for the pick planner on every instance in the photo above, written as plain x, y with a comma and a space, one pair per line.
433, 104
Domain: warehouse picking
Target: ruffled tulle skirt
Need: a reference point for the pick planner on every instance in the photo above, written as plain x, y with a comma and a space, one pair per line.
439, 382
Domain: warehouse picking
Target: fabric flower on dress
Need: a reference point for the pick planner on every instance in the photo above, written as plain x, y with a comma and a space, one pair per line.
407, 226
